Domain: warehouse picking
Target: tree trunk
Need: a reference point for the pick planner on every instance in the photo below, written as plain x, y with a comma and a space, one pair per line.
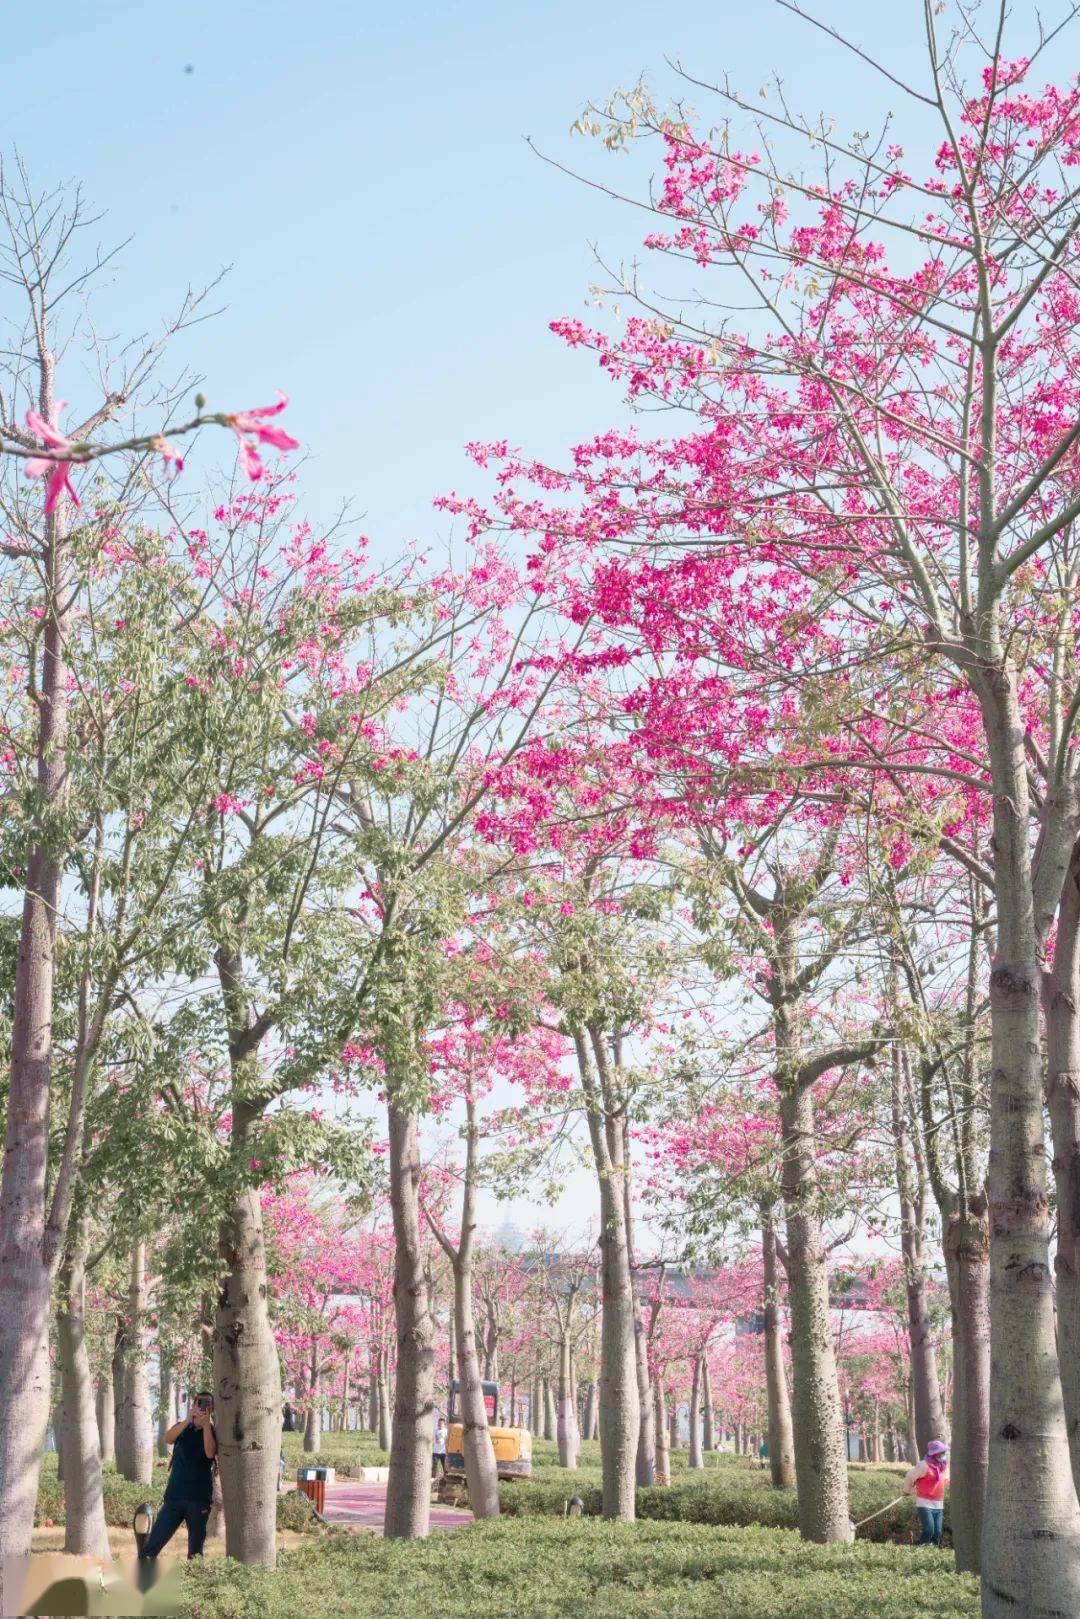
820, 1453
106, 1418
312, 1422
928, 1414
588, 1416
247, 1384
708, 1438
408, 1494
28, 1250
778, 1398
550, 1414
386, 1417
164, 1404
1031, 1524
135, 1427
660, 1428
673, 1424
481, 1472
1061, 1004
781, 1438
566, 1417
967, 1263
696, 1460
85, 1532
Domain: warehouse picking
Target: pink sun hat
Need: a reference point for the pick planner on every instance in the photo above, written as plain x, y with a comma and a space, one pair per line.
937, 1447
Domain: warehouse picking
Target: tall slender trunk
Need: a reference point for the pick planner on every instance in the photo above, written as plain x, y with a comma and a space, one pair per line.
817, 1418
1031, 1525
481, 1472
313, 1422
696, 1460
135, 1429
673, 1424
1061, 1004
619, 1414
928, 1413
708, 1439
588, 1416
164, 1402
84, 1509
246, 1369
106, 1417
408, 1494
566, 1426
386, 1415
781, 1437
28, 1251
551, 1415
660, 1428
967, 1264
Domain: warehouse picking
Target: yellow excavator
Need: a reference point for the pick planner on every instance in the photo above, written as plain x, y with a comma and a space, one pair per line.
512, 1446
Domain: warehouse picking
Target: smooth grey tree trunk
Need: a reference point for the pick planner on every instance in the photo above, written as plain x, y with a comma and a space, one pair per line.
696, 1459
817, 1417
660, 1428
85, 1531
620, 1418
928, 1414
164, 1403
135, 1423
551, 1416
781, 1436
967, 1263
707, 1439
29, 1251
566, 1425
1031, 1524
1061, 1006
313, 1420
408, 1495
386, 1415
588, 1416
481, 1472
106, 1417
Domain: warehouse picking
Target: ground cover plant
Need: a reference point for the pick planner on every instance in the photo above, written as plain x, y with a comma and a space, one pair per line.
548, 1569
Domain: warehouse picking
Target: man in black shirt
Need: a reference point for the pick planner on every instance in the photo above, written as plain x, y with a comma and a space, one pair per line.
190, 1487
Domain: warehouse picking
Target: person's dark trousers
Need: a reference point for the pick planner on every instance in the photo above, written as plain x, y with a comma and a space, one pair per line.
437, 1462
168, 1521
930, 1519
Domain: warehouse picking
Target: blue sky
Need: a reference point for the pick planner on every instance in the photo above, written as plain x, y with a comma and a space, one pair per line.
397, 250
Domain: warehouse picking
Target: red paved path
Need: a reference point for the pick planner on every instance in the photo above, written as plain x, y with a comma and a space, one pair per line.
363, 1506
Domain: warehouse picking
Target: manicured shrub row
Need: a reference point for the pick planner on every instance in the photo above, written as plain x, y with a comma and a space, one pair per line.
295, 1511
546, 1569
730, 1490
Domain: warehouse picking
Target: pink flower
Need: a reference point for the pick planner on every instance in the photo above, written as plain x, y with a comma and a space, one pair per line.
252, 424
168, 452
39, 465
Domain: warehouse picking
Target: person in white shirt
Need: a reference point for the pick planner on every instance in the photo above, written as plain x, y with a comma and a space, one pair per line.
438, 1454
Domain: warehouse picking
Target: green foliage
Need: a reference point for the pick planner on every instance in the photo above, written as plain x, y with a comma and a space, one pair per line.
121, 1496
730, 1491
548, 1569
296, 1511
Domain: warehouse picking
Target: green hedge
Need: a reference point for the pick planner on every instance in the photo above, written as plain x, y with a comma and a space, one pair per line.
548, 1569
729, 1490
295, 1511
